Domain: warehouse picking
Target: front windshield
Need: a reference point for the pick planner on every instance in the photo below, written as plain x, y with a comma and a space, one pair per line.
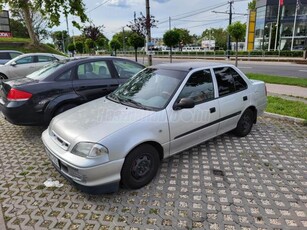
149, 89
45, 71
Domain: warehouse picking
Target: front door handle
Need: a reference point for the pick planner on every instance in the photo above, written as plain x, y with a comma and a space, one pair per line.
212, 110
245, 98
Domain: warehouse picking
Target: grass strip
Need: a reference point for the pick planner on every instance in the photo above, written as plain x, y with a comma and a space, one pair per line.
278, 79
286, 107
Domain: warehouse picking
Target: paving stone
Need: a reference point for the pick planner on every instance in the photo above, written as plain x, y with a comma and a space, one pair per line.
255, 182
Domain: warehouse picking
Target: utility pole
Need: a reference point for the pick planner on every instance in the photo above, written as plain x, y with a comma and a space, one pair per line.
169, 23
230, 21
123, 39
148, 30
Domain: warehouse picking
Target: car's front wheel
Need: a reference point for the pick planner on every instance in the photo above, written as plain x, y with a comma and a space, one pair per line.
245, 123
140, 166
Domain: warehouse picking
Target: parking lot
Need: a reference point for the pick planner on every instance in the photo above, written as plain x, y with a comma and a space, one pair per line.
255, 182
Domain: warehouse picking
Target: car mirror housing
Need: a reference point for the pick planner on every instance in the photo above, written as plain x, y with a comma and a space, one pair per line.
184, 103
13, 63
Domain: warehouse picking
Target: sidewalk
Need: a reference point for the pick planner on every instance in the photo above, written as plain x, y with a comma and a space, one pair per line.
288, 92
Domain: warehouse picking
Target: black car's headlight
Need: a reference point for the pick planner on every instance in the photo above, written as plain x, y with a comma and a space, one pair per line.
90, 150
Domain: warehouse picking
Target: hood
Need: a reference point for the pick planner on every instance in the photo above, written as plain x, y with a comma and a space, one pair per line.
95, 120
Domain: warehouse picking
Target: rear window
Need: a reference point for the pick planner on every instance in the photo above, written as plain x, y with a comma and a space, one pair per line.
4, 55
44, 72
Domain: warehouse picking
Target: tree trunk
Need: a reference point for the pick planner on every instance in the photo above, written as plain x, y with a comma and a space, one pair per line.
28, 21
236, 53
136, 54
171, 53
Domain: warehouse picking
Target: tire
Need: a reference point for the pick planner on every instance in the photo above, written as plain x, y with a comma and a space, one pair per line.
140, 166
63, 108
245, 124
3, 76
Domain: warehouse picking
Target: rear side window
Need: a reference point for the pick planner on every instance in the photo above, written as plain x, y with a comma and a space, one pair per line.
42, 58
94, 70
13, 54
228, 81
126, 69
25, 60
199, 87
64, 76
4, 55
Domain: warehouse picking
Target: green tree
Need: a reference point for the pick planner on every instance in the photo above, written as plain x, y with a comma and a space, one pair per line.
219, 35
136, 41
115, 45
51, 11
18, 29
101, 42
171, 38
90, 45
185, 37
123, 38
60, 39
79, 47
71, 47
252, 5
237, 31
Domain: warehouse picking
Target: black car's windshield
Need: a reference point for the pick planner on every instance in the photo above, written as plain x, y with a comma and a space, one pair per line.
44, 72
149, 89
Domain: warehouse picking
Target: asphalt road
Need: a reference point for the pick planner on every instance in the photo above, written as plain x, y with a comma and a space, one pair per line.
271, 68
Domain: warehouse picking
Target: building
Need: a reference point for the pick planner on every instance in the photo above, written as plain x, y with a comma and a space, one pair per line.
280, 25
5, 30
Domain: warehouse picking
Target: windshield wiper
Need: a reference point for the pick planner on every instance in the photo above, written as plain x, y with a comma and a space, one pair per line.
135, 103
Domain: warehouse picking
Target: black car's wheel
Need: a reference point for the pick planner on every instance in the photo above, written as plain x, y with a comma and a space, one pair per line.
2, 76
245, 123
140, 166
63, 108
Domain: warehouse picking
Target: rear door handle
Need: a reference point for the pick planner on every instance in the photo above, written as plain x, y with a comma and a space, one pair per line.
245, 98
212, 110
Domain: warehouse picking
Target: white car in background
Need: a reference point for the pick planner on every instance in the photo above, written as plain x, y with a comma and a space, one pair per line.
159, 112
25, 64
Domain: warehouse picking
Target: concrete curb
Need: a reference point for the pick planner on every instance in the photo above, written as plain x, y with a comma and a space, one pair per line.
283, 117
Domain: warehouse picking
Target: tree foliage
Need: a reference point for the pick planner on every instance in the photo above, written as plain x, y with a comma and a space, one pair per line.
237, 30
115, 45
139, 24
219, 35
18, 29
171, 38
93, 32
60, 39
136, 41
252, 5
185, 37
79, 47
51, 11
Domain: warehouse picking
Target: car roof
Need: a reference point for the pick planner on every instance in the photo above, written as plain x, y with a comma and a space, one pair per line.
11, 51
188, 66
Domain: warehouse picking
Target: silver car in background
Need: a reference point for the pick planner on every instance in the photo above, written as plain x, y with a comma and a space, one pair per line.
161, 111
25, 64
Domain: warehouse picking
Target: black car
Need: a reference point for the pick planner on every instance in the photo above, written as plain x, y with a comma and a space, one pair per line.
37, 98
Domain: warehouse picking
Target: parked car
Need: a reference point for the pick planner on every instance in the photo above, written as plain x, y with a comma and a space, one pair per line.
6, 55
62, 85
159, 112
25, 64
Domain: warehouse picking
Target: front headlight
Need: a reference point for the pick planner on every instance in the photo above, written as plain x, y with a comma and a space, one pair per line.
90, 150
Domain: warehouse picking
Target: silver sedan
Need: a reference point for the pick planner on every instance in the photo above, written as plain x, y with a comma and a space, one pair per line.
161, 111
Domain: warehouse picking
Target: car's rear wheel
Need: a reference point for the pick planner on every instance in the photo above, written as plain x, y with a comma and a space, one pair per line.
245, 123
63, 108
140, 166
3, 76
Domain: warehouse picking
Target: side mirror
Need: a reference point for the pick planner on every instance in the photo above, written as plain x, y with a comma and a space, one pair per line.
184, 103
13, 63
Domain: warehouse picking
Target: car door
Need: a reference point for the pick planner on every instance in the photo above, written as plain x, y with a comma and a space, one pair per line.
94, 79
126, 69
189, 127
233, 97
22, 67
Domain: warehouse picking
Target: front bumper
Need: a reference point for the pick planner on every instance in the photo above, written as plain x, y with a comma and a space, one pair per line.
98, 179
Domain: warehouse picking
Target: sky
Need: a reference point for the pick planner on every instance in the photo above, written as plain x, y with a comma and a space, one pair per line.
194, 15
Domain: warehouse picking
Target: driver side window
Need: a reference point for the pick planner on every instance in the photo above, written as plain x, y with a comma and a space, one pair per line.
199, 87
25, 60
